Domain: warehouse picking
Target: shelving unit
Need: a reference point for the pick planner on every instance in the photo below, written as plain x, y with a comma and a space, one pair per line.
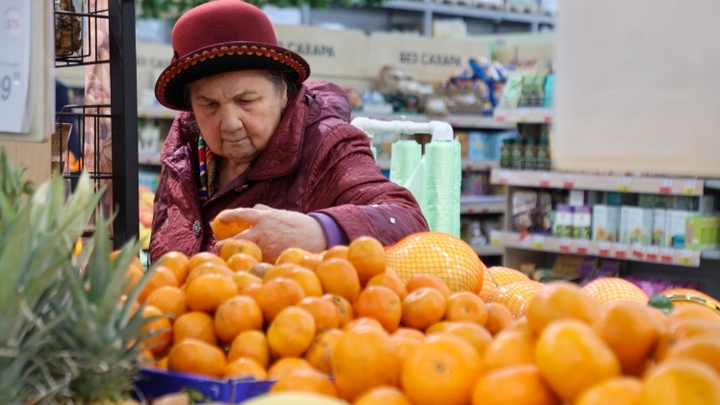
523, 115
485, 204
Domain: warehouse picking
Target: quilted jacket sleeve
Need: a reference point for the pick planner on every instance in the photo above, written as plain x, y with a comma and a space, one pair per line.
363, 202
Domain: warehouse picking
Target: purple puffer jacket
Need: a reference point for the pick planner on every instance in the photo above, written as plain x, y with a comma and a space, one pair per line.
315, 162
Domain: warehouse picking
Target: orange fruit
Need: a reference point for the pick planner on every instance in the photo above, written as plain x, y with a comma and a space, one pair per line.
339, 277
499, 317
243, 279
260, 270
251, 290
337, 251
611, 289
680, 382
560, 300
683, 329
403, 347
692, 311
519, 325
207, 292
470, 332
325, 313
287, 365
197, 357
319, 354
310, 261
204, 257
363, 359
251, 344
237, 314
245, 367
291, 332
291, 255
466, 306
280, 270
364, 322
427, 280
409, 332
572, 357
441, 370
160, 326
519, 384
368, 257
241, 262
423, 307
488, 284
391, 281
631, 331
225, 230
162, 277
617, 391
133, 276
380, 303
308, 281
178, 263
306, 380
162, 364
276, 295
169, 300
206, 268
681, 297
516, 295
233, 247
509, 348
194, 325
384, 395
703, 348
345, 310
503, 275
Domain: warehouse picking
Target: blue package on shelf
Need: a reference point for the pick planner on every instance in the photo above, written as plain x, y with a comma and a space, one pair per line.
548, 90
153, 383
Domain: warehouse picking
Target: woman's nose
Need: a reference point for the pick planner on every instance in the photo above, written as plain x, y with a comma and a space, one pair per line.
230, 120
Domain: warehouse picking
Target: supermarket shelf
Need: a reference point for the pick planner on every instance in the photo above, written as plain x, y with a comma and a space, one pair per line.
711, 254
713, 184
156, 112
622, 251
149, 159
471, 12
523, 115
486, 204
480, 165
456, 121
627, 184
489, 250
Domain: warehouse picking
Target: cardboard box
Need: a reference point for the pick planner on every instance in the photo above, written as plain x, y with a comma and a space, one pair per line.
582, 222
676, 227
659, 227
636, 225
154, 383
563, 225
605, 222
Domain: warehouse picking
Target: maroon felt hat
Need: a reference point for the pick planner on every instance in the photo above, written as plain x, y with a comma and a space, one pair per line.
222, 36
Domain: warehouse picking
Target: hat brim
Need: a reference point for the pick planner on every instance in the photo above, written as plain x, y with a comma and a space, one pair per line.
170, 86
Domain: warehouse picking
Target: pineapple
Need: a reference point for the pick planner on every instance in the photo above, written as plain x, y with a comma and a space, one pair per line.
64, 336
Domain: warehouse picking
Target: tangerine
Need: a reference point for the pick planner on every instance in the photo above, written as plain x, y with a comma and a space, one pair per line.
420, 280
237, 246
470, 332
227, 229
237, 314
250, 344
560, 300
384, 395
338, 277
243, 279
380, 303
197, 357
291, 255
169, 300
310, 261
160, 327
325, 313
194, 325
518, 384
204, 257
680, 382
319, 354
368, 257
306, 380
499, 317
206, 268
617, 391
466, 306
337, 251
286, 365
510, 348
423, 307
291, 332
307, 279
345, 310
207, 292
703, 348
241, 262
162, 277
276, 295
178, 263
245, 367
391, 281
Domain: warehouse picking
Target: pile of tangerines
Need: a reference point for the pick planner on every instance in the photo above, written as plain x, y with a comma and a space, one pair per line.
343, 324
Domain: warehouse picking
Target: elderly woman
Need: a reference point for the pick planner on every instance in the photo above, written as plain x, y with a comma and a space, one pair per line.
256, 139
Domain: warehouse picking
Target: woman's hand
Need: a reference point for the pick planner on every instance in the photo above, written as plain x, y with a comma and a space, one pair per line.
275, 230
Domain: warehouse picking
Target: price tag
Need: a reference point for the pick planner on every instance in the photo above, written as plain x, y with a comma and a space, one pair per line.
621, 250
685, 257
538, 242
638, 252
604, 249
494, 240
545, 180
15, 111
564, 245
624, 184
666, 186
652, 253
547, 117
582, 247
503, 177
569, 181
667, 255
500, 114
689, 187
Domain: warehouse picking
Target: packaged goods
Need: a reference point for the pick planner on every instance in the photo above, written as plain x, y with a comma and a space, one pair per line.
582, 222
605, 222
523, 207
676, 222
68, 29
636, 225
659, 227
563, 226
543, 217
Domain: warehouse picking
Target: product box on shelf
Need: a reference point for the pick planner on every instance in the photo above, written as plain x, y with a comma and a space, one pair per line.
563, 226
636, 225
659, 227
676, 223
154, 383
582, 222
701, 233
605, 222
523, 210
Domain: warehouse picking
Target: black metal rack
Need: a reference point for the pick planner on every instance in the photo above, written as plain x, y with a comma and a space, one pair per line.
107, 132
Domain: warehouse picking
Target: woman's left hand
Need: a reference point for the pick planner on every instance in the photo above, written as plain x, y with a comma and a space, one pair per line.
275, 230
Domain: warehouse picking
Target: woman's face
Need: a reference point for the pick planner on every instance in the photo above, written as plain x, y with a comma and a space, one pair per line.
237, 112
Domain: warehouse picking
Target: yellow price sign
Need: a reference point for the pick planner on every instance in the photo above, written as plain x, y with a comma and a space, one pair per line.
623, 184
538, 243
689, 187
494, 240
685, 260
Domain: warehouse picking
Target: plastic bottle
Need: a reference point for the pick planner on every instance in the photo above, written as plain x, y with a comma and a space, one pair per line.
529, 155
505, 153
516, 152
542, 158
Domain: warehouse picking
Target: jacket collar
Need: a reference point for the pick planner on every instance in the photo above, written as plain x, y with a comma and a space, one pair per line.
282, 152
